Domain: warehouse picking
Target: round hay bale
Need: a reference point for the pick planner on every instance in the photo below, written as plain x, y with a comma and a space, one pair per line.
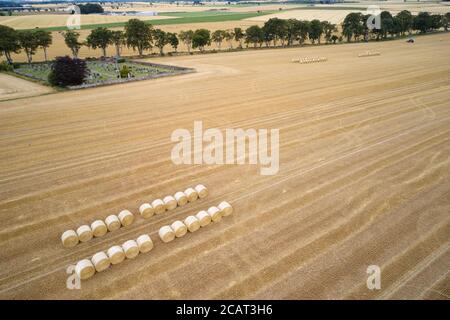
116, 254
145, 243
192, 223
158, 206
215, 214
126, 218
170, 202
204, 218
191, 194
179, 228
225, 208
201, 190
84, 233
181, 198
131, 249
101, 261
112, 222
146, 210
84, 269
166, 234
99, 228
69, 239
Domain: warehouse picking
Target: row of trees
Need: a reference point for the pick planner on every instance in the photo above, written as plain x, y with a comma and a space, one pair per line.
355, 24
13, 41
141, 36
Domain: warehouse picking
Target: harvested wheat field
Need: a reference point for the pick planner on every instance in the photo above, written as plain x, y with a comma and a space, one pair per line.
332, 16
13, 88
363, 178
57, 20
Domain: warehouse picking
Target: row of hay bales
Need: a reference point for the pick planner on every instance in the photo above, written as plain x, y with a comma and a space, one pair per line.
179, 199
309, 60
102, 260
99, 228
130, 249
192, 223
306, 60
369, 54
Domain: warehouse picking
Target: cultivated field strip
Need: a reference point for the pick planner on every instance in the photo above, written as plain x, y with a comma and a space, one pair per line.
364, 177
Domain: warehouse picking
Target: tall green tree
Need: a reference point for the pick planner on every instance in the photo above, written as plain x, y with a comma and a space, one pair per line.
239, 35
138, 35
422, 22
229, 37
118, 40
45, 40
446, 20
315, 31
186, 37
28, 41
173, 40
100, 38
71, 40
405, 20
276, 29
302, 33
267, 35
436, 21
201, 39
160, 38
255, 35
353, 26
218, 36
328, 29
9, 42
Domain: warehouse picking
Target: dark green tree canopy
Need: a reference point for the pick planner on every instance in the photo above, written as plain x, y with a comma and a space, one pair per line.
138, 35
201, 39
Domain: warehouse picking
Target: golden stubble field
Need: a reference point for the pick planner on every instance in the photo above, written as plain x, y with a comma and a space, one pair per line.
363, 180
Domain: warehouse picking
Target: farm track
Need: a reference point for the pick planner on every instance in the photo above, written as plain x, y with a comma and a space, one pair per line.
364, 178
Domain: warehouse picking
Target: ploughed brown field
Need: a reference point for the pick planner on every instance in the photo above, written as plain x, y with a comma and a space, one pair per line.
363, 180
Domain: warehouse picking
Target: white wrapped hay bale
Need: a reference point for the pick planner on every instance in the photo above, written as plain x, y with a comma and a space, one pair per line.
146, 210
191, 194
101, 261
166, 234
69, 238
112, 222
192, 223
158, 206
170, 202
201, 190
225, 208
179, 228
215, 214
126, 218
145, 243
204, 218
99, 228
116, 254
84, 233
131, 249
84, 269
181, 198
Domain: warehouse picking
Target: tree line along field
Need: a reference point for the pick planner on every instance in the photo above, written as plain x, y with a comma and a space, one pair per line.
282, 31
363, 180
